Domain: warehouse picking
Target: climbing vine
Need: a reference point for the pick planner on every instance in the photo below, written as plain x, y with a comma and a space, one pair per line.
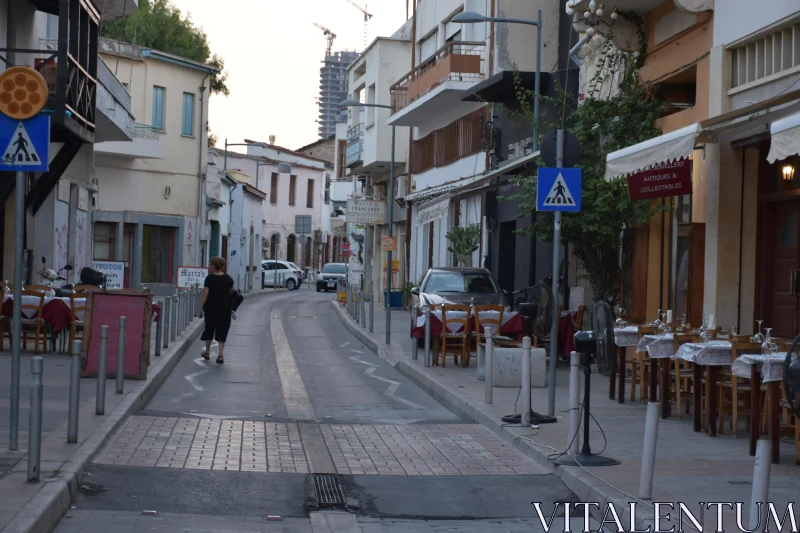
603, 123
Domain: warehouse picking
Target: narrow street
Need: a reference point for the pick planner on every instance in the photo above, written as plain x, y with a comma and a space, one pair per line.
240, 446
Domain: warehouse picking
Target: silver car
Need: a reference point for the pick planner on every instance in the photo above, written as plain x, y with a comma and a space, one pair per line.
458, 286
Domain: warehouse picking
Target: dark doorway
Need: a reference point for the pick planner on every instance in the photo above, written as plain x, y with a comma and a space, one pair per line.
291, 245
225, 249
506, 267
274, 244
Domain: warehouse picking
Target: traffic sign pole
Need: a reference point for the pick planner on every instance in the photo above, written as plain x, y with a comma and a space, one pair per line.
16, 321
551, 400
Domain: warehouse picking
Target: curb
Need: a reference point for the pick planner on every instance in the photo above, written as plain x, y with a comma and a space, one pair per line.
585, 486
45, 510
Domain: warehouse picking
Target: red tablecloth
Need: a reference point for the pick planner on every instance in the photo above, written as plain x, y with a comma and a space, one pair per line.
55, 313
514, 327
156, 312
566, 334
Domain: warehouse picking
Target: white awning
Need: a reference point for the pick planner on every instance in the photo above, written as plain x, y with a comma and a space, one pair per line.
662, 149
785, 138
433, 210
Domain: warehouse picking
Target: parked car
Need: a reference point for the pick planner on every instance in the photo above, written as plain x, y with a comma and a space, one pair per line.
273, 269
331, 275
458, 286
298, 271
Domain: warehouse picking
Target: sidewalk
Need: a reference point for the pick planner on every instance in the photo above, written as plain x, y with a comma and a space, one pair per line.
690, 467
38, 507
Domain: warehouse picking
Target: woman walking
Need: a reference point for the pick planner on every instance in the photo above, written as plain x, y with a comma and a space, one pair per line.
217, 307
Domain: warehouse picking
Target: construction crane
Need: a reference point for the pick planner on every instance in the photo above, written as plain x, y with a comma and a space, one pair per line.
329, 34
367, 16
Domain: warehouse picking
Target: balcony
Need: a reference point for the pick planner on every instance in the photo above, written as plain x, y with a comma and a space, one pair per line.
455, 67
355, 145
147, 144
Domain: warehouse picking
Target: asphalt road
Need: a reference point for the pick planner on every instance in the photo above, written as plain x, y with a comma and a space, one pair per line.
298, 395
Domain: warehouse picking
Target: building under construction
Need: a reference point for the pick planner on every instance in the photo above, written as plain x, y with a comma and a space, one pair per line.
333, 90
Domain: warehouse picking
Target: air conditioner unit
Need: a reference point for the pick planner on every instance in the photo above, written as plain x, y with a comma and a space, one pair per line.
402, 186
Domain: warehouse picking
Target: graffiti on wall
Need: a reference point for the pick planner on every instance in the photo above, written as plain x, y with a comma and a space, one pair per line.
189, 232
82, 226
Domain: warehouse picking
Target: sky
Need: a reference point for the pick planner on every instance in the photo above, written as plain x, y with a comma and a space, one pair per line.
272, 53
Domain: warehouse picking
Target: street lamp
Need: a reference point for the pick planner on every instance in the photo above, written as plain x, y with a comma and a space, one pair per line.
355, 103
471, 17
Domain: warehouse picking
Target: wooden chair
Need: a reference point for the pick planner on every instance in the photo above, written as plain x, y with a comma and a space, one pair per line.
735, 393
75, 324
639, 366
682, 378
35, 325
41, 288
449, 340
480, 325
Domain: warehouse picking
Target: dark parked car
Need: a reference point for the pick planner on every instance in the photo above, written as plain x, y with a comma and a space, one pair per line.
458, 286
331, 275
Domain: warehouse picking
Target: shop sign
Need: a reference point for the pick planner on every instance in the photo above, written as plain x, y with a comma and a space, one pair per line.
661, 180
191, 276
365, 212
395, 265
114, 271
433, 211
389, 244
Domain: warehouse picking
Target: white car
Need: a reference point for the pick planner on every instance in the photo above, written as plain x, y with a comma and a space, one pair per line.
287, 274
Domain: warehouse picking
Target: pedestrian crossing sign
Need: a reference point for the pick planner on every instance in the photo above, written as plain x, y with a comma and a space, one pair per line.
559, 189
25, 143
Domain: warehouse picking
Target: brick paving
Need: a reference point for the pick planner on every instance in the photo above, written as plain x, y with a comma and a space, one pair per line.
254, 446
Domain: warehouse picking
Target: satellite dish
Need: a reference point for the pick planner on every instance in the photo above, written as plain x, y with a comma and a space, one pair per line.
791, 377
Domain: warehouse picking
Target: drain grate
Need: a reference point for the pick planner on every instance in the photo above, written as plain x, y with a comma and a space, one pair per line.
328, 490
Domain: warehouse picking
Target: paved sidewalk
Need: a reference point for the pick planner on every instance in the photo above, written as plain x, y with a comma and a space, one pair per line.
690, 467
34, 507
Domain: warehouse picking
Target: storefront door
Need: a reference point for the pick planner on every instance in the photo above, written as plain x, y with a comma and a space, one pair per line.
780, 261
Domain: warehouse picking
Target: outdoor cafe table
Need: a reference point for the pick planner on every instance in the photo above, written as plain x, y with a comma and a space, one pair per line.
623, 338
56, 312
710, 355
512, 325
661, 349
768, 369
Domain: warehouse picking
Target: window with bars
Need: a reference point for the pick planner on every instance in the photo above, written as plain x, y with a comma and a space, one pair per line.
273, 189
104, 241
457, 140
292, 189
772, 54
310, 194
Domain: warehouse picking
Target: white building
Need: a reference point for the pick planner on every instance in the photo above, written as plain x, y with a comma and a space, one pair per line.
150, 191
369, 148
58, 202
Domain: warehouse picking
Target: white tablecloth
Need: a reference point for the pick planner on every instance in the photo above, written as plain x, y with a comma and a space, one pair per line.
771, 366
658, 346
628, 336
713, 353
459, 315
32, 300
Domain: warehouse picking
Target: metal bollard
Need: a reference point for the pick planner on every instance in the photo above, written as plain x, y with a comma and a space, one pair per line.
159, 330
525, 410
363, 311
355, 307
759, 499
489, 366
74, 392
102, 370
121, 356
428, 358
371, 311
649, 451
574, 402
35, 419
414, 343
172, 312
181, 311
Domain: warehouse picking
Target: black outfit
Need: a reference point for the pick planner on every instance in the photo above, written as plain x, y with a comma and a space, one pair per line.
217, 309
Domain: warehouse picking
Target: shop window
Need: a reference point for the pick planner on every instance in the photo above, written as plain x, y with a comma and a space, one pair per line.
633, 285
104, 241
310, 194
689, 273
158, 249
273, 189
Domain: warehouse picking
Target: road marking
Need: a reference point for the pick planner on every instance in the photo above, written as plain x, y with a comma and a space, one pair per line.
329, 522
355, 351
298, 404
393, 385
345, 345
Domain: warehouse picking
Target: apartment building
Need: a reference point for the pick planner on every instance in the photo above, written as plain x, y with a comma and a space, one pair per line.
332, 90
150, 192
59, 202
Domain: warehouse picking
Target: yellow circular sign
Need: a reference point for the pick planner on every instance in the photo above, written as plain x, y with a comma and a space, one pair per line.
23, 92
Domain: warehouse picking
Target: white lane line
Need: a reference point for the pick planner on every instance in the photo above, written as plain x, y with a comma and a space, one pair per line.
191, 377
298, 404
393, 385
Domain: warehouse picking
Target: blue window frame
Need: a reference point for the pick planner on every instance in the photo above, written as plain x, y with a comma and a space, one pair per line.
158, 107
188, 114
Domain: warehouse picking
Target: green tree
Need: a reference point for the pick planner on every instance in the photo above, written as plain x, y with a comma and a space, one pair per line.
464, 242
161, 26
602, 125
